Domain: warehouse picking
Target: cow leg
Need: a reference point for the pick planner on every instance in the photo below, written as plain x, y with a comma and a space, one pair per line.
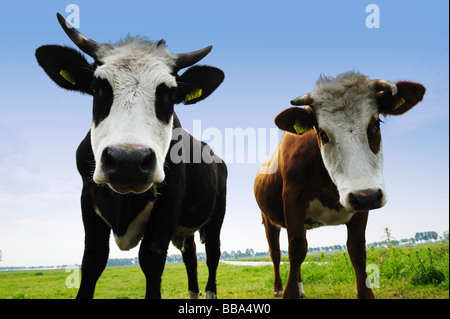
96, 248
210, 235
211, 238
298, 246
273, 239
212, 247
301, 291
152, 259
189, 254
356, 244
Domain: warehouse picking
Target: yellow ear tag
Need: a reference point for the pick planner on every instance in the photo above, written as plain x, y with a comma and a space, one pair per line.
193, 95
66, 75
398, 103
299, 129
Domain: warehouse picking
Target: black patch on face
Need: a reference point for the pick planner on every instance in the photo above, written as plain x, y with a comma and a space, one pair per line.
164, 102
374, 135
103, 95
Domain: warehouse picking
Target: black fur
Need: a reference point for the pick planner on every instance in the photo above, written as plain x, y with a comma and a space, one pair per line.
202, 77
164, 103
54, 58
103, 99
192, 196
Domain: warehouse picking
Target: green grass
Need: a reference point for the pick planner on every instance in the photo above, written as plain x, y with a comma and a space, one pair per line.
414, 272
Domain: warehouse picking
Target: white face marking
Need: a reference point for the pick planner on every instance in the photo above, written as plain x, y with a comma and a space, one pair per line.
134, 70
344, 107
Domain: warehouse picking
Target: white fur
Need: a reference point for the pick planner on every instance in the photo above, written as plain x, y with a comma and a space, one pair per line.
194, 295
344, 106
278, 293
134, 68
210, 295
136, 229
301, 290
324, 216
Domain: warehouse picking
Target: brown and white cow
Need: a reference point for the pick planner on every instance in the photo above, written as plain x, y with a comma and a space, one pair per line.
327, 169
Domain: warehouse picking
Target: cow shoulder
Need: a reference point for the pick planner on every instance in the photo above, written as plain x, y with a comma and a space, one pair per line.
302, 167
298, 155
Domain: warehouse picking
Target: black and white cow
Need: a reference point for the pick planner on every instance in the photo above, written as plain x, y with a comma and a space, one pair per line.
133, 179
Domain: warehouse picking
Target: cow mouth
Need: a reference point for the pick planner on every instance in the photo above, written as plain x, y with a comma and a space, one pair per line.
130, 188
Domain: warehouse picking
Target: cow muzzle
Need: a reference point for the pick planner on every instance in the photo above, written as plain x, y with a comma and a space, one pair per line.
364, 200
128, 168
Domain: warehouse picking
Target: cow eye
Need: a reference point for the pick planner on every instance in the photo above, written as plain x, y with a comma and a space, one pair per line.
164, 102
94, 89
323, 136
376, 127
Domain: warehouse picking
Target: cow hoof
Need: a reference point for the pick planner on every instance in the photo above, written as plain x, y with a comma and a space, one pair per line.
210, 295
278, 293
194, 295
301, 291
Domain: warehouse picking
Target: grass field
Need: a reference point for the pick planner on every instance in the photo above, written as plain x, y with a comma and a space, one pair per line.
416, 272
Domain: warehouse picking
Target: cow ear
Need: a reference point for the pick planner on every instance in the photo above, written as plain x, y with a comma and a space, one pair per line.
296, 120
66, 67
408, 95
197, 83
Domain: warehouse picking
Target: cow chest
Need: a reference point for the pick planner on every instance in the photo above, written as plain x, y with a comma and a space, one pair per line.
318, 215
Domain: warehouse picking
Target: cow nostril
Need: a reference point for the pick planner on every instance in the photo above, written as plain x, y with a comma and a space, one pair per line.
365, 199
128, 165
352, 201
149, 162
379, 197
108, 162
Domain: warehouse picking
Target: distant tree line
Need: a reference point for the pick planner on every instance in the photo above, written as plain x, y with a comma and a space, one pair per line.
420, 237
426, 236
122, 262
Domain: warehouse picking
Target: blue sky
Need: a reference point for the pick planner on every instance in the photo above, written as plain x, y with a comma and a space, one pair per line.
271, 52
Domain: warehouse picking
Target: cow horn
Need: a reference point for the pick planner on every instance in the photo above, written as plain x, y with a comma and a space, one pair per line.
383, 85
187, 59
305, 99
85, 44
